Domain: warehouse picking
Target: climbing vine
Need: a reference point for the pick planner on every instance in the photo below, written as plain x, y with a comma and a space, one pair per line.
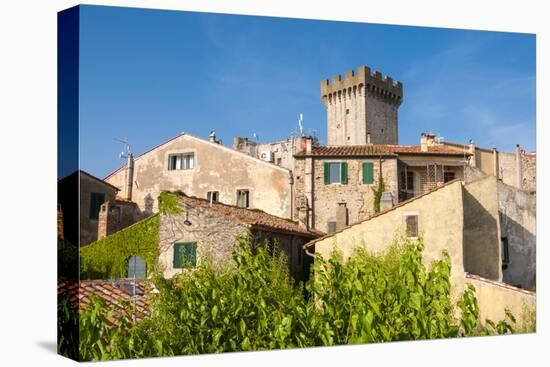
378, 194
107, 258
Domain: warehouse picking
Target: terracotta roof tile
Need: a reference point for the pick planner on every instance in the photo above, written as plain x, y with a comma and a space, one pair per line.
498, 284
254, 217
378, 149
113, 292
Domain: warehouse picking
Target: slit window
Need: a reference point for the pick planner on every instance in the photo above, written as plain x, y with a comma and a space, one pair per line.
411, 222
181, 161
505, 252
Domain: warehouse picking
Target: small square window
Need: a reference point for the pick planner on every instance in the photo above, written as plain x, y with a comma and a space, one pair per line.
331, 227
411, 222
213, 196
243, 198
181, 161
185, 255
347, 111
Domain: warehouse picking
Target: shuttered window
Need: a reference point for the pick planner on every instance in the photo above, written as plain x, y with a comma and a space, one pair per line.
96, 200
368, 173
185, 255
335, 172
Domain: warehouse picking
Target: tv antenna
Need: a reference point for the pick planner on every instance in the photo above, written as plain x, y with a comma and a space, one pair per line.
126, 152
301, 124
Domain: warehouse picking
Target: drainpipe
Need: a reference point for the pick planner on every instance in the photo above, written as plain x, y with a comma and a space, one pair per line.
130, 176
291, 183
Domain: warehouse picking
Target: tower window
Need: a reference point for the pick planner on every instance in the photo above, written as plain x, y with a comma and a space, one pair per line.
347, 111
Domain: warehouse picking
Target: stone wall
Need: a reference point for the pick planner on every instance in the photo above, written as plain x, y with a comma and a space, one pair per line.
89, 226
494, 297
517, 210
508, 168
359, 104
216, 168
357, 197
529, 174
117, 215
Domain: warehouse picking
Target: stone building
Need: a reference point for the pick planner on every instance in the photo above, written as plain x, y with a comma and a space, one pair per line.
203, 227
205, 169
81, 218
335, 185
361, 108
463, 219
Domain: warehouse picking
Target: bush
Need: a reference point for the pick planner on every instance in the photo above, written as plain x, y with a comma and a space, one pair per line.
253, 304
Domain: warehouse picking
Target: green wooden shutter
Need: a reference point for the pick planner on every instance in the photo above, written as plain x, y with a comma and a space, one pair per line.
344, 172
185, 255
327, 173
368, 173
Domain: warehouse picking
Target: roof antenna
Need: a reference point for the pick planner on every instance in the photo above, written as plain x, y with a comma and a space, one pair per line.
301, 124
126, 152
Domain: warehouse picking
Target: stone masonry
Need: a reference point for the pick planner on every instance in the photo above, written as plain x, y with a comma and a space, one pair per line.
361, 108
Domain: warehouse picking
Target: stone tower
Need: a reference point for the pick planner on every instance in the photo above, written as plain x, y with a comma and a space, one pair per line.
361, 108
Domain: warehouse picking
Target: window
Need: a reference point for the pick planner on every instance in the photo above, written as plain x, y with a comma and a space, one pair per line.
213, 196
505, 252
185, 255
368, 173
279, 161
448, 176
411, 222
347, 111
408, 180
96, 199
331, 227
335, 172
181, 161
243, 198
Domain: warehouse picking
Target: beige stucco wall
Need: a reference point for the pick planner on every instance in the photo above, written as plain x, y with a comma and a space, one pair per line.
494, 299
217, 168
439, 222
482, 248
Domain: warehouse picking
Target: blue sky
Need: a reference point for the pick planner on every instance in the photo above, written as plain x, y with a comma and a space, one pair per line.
147, 75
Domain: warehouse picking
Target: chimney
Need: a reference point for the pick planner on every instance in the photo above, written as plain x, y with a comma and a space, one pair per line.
496, 170
472, 151
308, 145
213, 137
303, 211
129, 176
426, 140
519, 172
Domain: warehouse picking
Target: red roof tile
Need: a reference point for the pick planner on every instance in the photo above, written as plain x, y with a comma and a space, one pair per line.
498, 284
113, 292
378, 149
254, 217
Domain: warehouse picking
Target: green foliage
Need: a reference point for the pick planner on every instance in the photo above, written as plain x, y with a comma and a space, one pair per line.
378, 194
253, 304
168, 203
67, 328
108, 257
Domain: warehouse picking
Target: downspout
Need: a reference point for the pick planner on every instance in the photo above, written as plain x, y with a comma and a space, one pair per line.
291, 183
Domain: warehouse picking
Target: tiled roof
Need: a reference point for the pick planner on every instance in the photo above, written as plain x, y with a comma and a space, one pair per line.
116, 293
253, 217
378, 149
498, 284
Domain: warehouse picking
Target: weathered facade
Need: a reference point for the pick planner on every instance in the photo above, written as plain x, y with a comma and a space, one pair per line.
211, 229
205, 169
116, 215
334, 202
279, 152
361, 108
80, 220
462, 219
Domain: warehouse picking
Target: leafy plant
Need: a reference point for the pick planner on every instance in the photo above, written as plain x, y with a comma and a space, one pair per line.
378, 194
